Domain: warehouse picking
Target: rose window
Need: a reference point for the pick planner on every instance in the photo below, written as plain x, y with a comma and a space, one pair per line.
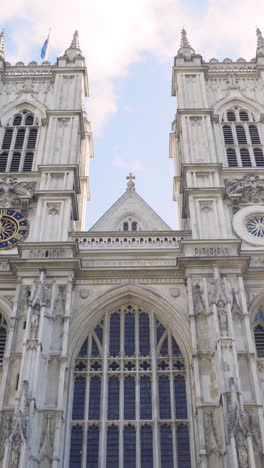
7, 228
255, 226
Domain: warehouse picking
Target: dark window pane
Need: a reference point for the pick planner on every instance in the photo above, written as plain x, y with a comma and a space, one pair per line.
129, 398
7, 138
83, 350
183, 447
95, 350
78, 398
113, 398
95, 397
243, 116
28, 161
231, 116
129, 447
129, 334
144, 337
145, 398
92, 447
245, 158
166, 447
228, 136
99, 332
32, 138
259, 340
241, 135
17, 120
259, 157
29, 120
125, 226
146, 447
134, 226
164, 397
2, 343
231, 157
180, 397
112, 447
3, 162
160, 331
20, 138
175, 348
114, 345
254, 135
164, 347
15, 162
76, 447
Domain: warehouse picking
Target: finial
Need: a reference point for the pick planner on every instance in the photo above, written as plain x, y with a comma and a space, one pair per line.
185, 49
260, 43
130, 183
75, 41
2, 45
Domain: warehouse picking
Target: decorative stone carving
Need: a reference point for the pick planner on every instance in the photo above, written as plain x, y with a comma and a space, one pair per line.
38, 295
249, 189
236, 310
47, 439
13, 193
54, 210
198, 304
238, 425
6, 425
211, 436
23, 301
84, 293
19, 431
206, 206
257, 262
59, 303
219, 298
63, 121
174, 292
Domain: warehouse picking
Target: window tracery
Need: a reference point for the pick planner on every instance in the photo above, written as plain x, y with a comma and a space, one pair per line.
259, 333
19, 143
241, 138
129, 394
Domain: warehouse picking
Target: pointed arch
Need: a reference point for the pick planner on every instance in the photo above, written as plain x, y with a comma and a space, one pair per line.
241, 101
29, 103
173, 318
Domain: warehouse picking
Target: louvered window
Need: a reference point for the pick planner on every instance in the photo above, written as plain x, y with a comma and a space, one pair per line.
231, 116
228, 136
20, 134
254, 135
129, 395
258, 153
240, 134
231, 157
245, 157
259, 340
3, 336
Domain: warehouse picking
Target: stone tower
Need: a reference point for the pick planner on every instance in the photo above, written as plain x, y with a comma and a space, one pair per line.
132, 344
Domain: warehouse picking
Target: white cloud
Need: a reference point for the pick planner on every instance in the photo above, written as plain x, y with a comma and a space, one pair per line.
134, 165
115, 34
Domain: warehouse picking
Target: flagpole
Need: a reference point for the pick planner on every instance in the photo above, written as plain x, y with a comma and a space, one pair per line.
47, 49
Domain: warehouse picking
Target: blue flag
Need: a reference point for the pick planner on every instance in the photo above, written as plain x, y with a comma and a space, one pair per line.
43, 53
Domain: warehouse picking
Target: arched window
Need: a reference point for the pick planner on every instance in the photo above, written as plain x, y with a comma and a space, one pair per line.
258, 153
125, 226
259, 333
3, 335
245, 157
129, 395
134, 226
239, 129
231, 157
20, 134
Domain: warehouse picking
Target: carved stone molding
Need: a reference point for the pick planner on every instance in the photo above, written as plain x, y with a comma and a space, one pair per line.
13, 193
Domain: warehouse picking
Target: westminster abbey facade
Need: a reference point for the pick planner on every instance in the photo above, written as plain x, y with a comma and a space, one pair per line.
132, 345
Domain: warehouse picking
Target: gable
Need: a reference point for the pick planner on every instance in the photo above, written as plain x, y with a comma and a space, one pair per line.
130, 207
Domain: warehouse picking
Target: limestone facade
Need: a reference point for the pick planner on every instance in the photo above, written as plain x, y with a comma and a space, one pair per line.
197, 293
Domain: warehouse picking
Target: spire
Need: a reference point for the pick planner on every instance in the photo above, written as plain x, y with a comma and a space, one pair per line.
260, 43
2, 45
185, 49
75, 41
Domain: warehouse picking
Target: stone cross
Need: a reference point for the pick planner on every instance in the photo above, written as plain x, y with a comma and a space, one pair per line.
130, 183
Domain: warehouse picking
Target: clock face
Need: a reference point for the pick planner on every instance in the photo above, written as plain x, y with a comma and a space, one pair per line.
13, 228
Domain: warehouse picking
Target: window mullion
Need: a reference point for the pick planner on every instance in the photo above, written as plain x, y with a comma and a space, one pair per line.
104, 393
155, 396
173, 411
121, 389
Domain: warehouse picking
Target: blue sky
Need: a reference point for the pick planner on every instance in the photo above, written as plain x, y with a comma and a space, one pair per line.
129, 47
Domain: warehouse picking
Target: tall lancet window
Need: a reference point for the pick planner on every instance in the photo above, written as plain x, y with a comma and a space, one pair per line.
259, 333
241, 135
3, 335
19, 143
129, 406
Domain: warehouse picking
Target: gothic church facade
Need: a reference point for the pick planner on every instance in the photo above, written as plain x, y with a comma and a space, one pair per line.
132, 344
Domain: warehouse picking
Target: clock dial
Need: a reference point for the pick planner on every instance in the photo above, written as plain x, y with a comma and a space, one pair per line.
13, 228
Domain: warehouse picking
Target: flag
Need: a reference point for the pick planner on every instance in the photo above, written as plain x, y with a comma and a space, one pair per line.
44, 50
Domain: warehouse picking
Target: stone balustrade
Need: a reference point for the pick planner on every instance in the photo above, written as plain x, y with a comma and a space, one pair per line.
129, 241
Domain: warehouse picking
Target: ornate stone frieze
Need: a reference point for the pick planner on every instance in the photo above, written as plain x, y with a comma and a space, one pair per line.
257, 262
4, 266
249, 189
211, 251
47, 253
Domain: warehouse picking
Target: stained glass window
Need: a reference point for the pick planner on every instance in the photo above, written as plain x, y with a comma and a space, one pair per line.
129, 395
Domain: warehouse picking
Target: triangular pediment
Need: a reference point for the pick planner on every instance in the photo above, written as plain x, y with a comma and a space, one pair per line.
130, 207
